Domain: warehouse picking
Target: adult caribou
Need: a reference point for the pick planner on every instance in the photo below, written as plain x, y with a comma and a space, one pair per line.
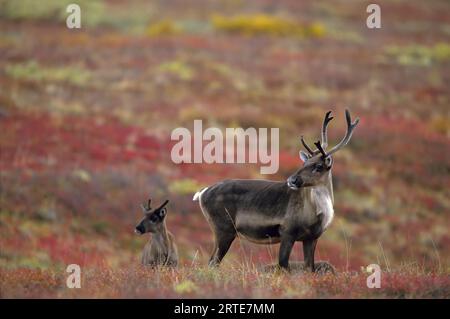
268, 212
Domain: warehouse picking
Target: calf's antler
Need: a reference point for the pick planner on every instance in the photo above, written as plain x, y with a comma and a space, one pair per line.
163, 204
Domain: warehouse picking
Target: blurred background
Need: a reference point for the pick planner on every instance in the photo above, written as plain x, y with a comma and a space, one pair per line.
86, 117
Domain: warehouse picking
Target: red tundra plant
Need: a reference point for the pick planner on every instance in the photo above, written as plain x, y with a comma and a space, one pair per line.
410, 149
73, 250
40, 141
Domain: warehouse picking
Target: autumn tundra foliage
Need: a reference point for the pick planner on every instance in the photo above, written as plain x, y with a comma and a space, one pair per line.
86, 117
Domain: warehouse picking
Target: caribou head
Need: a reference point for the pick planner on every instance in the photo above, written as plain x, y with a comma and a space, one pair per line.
153, 218
317, 163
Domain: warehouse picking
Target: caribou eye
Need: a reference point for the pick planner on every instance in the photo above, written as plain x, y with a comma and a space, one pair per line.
154, 218
319, 168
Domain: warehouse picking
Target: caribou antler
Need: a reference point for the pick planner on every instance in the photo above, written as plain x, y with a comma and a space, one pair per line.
306, 146
163, 204
324, 139
319, 147
350, 127
148, 205
326, 120
323, 143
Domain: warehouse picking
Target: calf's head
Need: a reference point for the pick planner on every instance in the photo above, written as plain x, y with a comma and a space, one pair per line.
153, 219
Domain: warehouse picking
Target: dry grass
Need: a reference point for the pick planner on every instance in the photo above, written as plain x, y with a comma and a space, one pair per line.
231, 281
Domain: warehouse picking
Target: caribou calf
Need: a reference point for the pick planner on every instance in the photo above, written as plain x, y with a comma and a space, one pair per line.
268, 212
161, 249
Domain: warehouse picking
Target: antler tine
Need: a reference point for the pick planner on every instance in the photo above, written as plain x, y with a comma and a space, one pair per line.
163, 204
350, 127
306, 146
326, 120
148, 204
319, 147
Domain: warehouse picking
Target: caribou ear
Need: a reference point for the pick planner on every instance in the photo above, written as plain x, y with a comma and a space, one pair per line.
328, 161
162, 213
303, 156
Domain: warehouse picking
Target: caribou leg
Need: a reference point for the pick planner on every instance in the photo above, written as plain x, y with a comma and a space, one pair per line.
223, 242
285, 251
309, 248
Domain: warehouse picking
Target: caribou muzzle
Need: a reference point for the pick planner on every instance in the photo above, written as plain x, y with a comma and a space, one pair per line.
139, 229
294, 182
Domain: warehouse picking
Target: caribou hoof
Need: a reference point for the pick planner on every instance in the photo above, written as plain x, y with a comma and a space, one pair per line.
321, 267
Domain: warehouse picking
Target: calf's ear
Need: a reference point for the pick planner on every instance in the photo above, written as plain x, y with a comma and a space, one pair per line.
162, 213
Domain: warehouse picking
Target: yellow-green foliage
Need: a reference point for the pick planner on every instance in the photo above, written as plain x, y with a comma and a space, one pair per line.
32, 71
441, 125
163, 28
37, 259
186, 286
262, 24
178, 68
31, 9
93, 11
419, 55
185, 186
441, 51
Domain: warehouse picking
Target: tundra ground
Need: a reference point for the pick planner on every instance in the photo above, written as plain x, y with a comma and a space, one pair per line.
86, 117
